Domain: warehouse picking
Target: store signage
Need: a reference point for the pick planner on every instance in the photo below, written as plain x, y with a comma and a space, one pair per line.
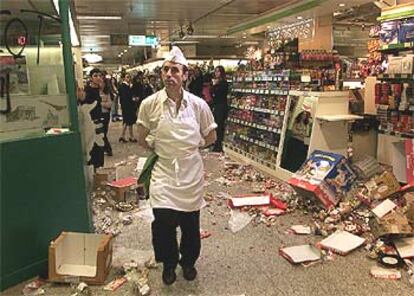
142, 40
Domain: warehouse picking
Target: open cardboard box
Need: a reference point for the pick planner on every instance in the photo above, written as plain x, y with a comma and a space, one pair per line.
84, 255
105, 175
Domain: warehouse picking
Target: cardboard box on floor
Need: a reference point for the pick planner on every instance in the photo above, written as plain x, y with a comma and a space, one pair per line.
122, 186
394, 223
103, 176
84, 255
383, 186
324, 175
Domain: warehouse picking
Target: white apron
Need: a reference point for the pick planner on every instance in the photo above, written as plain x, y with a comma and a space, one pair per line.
177, 180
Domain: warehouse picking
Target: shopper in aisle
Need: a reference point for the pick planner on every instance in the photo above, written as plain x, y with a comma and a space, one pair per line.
115, 99
149, 86
138, 89
128, 107
175, 124
207, 89
92, 97
220, 105
196, 83
105, 93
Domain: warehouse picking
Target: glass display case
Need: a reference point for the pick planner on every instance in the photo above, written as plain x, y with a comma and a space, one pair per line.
34, 95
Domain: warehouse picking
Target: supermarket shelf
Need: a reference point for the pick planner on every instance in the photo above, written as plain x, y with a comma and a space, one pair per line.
250, 156
397, 134
387, 108
342, 117
257, 142
255, 125
263, 79
409, 77
399, 46
262, 91
261, 110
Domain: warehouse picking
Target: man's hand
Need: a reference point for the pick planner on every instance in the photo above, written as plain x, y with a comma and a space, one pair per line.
142, 135
210, 138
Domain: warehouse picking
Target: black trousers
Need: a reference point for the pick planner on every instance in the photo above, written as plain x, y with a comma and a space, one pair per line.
164, 237
220, 115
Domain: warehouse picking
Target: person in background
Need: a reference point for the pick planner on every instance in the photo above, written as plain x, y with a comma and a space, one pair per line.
115, 98
128, 107
105, 93
92, 97
138, 89
207, 89
150, 87
196, 84
175, 125
220, 105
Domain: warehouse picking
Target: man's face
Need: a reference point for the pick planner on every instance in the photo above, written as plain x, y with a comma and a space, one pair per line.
173, 75
97, 78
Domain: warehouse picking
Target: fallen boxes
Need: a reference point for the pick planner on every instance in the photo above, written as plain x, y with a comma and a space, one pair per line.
394, 223
324, 175
84, 255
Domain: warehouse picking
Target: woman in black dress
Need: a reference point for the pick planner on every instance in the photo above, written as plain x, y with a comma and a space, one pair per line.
220, 106
128, 107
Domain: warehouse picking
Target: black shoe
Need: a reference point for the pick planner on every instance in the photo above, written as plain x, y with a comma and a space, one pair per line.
133, 140
189, 273
122, 140
168, 276
109, 153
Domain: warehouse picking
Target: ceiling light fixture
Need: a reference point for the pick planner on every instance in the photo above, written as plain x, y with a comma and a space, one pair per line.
92, 58
299, 17
341, 4
99, 17
200, 37
125, 50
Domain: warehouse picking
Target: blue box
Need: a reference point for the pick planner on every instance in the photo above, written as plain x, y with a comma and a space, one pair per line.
406, 31
389, 32
326, 176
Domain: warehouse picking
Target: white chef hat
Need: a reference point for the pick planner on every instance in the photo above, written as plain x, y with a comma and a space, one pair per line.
176, 56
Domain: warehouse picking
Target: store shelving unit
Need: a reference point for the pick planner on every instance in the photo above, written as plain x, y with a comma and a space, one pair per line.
258, 118
395, 117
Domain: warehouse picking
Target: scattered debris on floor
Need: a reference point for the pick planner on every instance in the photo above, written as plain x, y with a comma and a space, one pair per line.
34, 288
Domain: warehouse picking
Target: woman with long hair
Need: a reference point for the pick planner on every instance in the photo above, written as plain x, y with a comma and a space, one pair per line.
220, 105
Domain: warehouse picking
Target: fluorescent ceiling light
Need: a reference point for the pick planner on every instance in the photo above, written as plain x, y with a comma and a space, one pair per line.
73, 34
180, 42
228, 37
342, 4
250, 43
99, 17
200, 37
92, 58
299, 17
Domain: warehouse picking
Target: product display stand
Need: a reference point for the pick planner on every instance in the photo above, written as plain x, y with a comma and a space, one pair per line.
256, 127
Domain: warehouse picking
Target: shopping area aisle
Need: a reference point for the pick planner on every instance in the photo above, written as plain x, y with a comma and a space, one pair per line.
242, 263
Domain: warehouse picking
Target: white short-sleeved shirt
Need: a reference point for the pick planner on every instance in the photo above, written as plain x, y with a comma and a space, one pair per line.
151, 110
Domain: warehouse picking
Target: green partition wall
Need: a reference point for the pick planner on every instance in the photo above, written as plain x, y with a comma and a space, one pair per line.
42, 189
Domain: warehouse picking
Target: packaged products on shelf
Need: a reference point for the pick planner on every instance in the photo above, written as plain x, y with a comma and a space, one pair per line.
389, 32
406, 31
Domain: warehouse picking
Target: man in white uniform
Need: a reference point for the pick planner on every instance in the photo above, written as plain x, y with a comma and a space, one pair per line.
175, 124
